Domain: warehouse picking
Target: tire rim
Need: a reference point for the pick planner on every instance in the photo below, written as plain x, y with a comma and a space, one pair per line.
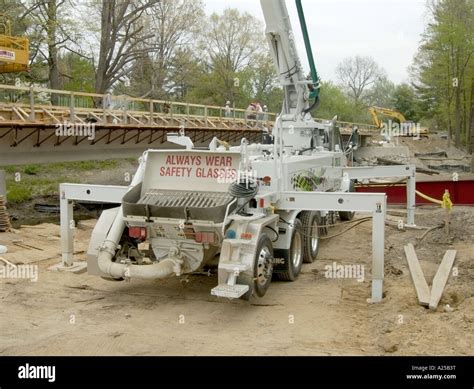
296, 250
314, 237
264, 266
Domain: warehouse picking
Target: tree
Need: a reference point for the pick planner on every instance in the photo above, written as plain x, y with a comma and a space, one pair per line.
123, 39
444, 67
231, 45
357, 74
335, 102
184, 72
174, 24
266, 88
406, 102
77, 72
381, 93
51, 30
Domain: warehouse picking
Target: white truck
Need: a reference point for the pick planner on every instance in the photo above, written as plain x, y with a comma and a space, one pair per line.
238, 208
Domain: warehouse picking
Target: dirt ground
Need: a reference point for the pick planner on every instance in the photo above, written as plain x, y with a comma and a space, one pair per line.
78, 314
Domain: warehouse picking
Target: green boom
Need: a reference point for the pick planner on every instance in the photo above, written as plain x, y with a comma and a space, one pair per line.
309, 52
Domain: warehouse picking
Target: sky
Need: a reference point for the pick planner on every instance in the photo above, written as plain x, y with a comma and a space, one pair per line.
387, 30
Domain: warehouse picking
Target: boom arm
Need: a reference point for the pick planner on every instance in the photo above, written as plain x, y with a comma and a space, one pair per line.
298, 89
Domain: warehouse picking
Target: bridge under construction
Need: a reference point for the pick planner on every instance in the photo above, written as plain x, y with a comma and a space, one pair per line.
46, 125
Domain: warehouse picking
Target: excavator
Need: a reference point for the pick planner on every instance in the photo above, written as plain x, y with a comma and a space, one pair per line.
404, 123
385, 111
14, 51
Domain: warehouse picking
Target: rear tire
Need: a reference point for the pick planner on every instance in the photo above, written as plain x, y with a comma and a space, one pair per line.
311, 224
293, 258
263, 270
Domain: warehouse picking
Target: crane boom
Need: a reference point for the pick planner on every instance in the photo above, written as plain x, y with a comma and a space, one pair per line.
295, 129
282, 44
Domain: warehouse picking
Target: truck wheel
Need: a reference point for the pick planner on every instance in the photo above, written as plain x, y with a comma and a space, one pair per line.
348, 215
263, 269
293, 258
310, 221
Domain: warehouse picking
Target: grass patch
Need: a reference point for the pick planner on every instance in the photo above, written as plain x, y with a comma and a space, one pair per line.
37, 180
9, 169
18, 193
32, 186
35, 169
83, 165
32, 169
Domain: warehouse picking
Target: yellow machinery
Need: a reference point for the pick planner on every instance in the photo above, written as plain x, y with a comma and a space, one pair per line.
374, 111
385, 111
14, 51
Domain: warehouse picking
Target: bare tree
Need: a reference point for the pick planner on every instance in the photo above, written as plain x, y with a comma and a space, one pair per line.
175, 24
358, 74
123, 39
51, 30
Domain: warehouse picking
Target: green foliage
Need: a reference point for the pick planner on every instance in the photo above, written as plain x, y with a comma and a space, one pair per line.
82, 165
406, 102
43, 179
335, 102
31, 169
10, 169
235, 64
18, 193
78, 73
444, 68
381, 94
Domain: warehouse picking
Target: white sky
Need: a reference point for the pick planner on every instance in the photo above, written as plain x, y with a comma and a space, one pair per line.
387, 30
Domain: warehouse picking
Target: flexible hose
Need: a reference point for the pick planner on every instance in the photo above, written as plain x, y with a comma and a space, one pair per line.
445, 203
245, 189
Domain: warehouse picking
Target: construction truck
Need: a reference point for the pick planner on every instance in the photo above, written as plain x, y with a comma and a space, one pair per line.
235, 207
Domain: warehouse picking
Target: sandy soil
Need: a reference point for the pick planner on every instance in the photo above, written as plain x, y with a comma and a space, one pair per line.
78, 314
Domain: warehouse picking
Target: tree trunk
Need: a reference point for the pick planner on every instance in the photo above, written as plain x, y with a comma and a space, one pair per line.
469, 121
54, 77
101, 83
457, 123
457, 108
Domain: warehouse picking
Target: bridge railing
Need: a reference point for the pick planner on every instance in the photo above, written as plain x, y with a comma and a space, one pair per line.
34, 99
66, 105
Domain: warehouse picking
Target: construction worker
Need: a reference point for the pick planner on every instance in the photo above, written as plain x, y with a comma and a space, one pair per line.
251, 112
227, 110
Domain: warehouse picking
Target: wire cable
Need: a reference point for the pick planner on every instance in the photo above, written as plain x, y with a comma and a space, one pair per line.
359, 221
276, 233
